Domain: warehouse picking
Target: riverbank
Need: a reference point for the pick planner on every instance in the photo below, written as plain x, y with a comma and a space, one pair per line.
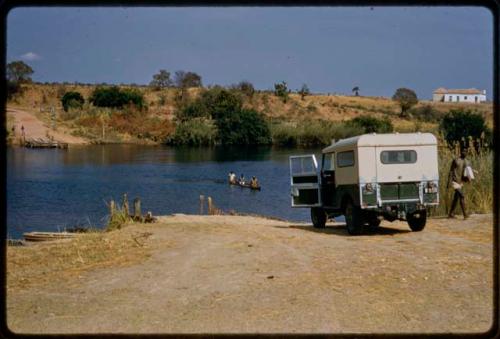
223, 274
312, 120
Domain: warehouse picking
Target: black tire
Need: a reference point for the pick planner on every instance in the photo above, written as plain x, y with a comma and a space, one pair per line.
374, 222
353, 218
318, 217
417, 223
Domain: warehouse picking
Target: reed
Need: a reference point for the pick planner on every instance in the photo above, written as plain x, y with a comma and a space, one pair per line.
479, 192
311, 132
118, 218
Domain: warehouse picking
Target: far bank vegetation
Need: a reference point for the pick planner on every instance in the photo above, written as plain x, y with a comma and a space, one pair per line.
175, 108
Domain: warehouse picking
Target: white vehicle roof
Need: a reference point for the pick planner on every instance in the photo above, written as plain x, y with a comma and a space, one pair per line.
390, 139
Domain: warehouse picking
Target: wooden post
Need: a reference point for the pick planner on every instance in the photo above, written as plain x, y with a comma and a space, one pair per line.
209, 200
137, 209
202, 201
125, 205
111, 209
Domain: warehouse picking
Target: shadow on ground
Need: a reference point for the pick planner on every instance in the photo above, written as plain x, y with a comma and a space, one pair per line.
341, 230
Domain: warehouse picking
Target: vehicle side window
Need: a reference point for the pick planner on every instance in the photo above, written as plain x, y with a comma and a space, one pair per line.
345, 159
329, 162
398, 157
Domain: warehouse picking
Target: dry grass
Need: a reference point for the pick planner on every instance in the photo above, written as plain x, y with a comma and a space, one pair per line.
329, 107
478, 193
57, 261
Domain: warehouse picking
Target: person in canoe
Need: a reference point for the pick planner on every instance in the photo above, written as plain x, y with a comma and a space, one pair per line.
232, 178
241, 181
254, 183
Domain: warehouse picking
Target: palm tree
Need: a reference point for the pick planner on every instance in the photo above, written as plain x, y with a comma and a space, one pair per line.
356, 90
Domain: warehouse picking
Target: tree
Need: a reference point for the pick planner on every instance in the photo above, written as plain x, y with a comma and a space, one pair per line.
187, 79
356, 91
235, 125
116, 98
406, 99
304, 91
161, 80
281, 90
72, 100
19, 72
463, 125
243, 127
214, 103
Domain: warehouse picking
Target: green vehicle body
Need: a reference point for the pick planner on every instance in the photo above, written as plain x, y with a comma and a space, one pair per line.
369, 178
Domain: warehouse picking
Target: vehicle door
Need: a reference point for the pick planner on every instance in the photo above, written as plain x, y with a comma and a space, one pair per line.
328, 179
304, 180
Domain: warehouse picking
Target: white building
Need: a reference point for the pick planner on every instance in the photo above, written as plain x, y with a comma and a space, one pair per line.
459, 95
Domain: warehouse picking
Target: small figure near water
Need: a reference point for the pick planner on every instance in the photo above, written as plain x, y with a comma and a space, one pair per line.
232, 178
254, 183
241, 181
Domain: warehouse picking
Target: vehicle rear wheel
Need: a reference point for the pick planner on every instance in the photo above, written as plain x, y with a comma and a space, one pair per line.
417, 220
318, 217
353, 218
374, 222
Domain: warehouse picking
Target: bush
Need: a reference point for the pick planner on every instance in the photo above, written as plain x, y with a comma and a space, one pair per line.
235, 125
194, 132
281, 90
116, 98
72, 100
13, 89
462, 126
213, 103
370, 124
311, 133
242, 127
246, 88
425, 113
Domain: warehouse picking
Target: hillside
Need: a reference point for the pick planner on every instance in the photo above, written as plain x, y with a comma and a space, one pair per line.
38, 98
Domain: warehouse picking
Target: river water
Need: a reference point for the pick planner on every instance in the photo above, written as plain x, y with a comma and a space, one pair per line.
52, 189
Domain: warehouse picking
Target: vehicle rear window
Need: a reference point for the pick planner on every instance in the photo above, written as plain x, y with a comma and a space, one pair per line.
303, 165
398, 157
345, 159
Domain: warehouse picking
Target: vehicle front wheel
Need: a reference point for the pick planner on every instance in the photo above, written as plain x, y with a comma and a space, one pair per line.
318, 217
353, 219
417, 220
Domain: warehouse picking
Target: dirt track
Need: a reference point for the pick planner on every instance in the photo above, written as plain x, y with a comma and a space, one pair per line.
223, 274
34, 128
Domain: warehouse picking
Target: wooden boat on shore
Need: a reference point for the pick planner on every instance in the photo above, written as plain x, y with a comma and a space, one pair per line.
44, 143
245, 185
47, 236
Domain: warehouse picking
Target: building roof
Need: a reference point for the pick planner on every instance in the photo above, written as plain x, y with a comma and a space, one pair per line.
442, 90
389, 139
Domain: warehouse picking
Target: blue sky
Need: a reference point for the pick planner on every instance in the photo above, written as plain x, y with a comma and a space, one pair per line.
331, 49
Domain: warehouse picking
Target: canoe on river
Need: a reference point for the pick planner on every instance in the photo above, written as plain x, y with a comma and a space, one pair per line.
245, 185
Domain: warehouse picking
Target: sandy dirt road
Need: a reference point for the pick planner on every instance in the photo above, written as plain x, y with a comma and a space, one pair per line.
227, 274
34, 128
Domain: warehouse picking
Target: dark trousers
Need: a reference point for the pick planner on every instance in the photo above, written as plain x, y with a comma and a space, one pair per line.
458, 196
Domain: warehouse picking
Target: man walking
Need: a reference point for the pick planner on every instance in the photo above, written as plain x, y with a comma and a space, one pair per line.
457, 178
